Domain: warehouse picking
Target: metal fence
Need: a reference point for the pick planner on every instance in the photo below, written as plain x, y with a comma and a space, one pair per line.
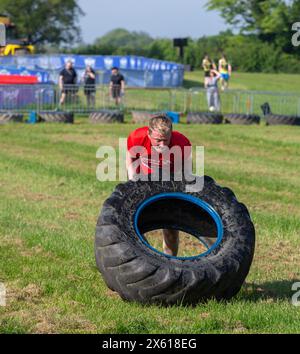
84, 99
247, 102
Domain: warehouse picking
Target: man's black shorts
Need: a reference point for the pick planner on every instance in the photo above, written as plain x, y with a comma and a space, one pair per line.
116, 91
69, 90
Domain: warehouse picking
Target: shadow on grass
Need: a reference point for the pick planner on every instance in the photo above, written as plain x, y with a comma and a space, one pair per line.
273, 290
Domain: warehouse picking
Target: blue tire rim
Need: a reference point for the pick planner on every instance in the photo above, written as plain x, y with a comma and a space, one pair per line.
186, 197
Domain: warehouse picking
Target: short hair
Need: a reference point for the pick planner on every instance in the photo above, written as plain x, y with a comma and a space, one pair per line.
160, 122
115, 68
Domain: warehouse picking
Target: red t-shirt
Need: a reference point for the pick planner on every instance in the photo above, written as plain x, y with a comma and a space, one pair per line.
139, 137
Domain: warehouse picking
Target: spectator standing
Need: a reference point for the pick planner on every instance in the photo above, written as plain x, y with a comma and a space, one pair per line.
117, 85
207, 65
90, 86
67, 80
212, 91
225, 71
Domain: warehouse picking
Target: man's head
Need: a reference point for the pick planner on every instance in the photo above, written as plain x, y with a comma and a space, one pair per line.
69, 65
115, 70
160, 131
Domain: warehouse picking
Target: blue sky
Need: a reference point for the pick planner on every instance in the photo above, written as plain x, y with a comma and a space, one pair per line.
159, 18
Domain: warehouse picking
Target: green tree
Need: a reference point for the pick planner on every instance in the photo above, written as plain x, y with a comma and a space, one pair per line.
44, 21
270, 20
120, 37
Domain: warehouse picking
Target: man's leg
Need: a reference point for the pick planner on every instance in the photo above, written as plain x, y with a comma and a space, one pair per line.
227, 83
62, 99
118, 97
209, 98
222, 83
89, 99
93, 99
217, 103
171, 242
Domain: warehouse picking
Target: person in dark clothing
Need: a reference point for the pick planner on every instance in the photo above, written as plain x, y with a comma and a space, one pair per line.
117, 85
67, 80
90, 85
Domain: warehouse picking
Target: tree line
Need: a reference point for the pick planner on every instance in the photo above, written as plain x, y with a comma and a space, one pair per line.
246, 52
259, 38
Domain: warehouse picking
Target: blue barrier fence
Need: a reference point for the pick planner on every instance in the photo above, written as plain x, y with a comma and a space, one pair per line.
138, 71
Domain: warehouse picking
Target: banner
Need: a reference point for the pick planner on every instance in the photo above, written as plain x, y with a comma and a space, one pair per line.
42, 76
138, 71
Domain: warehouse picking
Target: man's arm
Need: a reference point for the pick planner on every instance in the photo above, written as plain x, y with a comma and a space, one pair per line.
123, 86
61, 82
219, 65
218, 75
75, 78
130, 169
92, 75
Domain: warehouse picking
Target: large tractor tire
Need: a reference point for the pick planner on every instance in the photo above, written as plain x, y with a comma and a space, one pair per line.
139, 272
204, 118
56, 117
8, 117
140, 117
276, 119
106, 116
242, 119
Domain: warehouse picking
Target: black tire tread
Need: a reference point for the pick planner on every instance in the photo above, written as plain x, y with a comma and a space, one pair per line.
279, 119
204, 118
160, 280
141, 117
242, 119
106, 117
56, 117
8, 117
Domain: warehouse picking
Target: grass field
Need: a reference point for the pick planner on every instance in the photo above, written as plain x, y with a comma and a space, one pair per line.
50, 201
281, 91
252, 81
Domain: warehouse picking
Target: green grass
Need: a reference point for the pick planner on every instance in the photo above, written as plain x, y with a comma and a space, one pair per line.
252, 81
182, 101
50, 201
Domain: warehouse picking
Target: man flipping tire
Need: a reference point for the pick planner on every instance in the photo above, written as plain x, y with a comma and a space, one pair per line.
158, 137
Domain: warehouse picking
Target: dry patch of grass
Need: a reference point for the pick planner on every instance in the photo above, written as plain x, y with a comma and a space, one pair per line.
32, 293
188, 244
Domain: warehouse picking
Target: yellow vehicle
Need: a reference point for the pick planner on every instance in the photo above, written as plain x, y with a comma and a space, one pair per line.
14, 46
